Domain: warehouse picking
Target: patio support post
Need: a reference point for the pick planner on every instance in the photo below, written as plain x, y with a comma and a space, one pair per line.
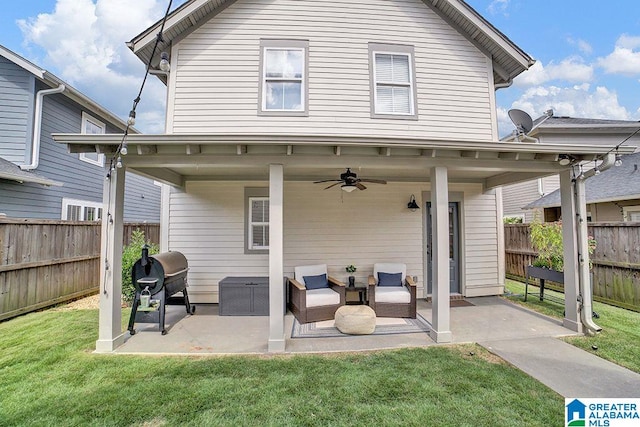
440, 322
570, 243
276, 259
110, 334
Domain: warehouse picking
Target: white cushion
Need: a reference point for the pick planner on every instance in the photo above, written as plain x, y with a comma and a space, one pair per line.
393, 294
389, 267
309, 270
320, 297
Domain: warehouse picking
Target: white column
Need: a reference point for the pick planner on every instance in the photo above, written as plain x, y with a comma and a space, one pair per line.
110, 334
276, 259
440, 322
570, 243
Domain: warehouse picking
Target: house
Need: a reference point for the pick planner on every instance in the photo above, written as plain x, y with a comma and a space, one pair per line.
576, 410
552, 129
266, 98
611, 196
39, 178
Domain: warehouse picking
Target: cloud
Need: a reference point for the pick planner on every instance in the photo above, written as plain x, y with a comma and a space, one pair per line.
499, 7
571, 70
582, 45
573, 101
625, 58
84, 41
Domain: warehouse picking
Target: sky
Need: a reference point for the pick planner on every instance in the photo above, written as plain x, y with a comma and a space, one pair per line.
587, 53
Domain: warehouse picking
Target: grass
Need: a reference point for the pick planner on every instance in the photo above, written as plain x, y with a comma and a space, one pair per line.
619, 341
48, 376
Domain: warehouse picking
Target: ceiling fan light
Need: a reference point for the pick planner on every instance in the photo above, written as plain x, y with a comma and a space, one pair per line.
348, 188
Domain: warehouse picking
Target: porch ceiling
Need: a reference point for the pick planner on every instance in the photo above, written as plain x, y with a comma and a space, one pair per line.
175, 158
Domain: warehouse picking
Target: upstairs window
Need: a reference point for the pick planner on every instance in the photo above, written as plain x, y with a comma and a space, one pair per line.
283, 84
392, 81
92, 126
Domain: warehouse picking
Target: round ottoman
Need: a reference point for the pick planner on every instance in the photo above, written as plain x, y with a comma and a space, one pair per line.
355, 319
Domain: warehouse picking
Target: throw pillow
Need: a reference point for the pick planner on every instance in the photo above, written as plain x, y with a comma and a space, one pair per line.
389, 279
316, 282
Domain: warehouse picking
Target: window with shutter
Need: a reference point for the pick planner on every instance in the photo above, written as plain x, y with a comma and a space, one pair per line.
392, 81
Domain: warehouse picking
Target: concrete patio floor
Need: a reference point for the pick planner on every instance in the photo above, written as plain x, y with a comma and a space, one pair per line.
205, 332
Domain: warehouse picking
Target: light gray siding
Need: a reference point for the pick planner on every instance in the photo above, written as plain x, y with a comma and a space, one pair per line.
360, 228
82, 180
517, 196
16, 110
215, 80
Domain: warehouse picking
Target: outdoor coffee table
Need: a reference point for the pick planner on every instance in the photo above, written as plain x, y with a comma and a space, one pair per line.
361, 289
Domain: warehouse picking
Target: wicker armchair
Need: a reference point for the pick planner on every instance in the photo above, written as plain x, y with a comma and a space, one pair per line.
313, 305
392, 301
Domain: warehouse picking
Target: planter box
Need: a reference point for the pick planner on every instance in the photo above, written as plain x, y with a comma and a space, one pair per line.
545, 274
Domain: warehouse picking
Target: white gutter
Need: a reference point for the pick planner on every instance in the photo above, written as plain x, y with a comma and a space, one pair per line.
37, 126
584, 276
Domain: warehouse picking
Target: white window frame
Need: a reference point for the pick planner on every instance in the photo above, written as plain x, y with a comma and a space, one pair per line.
83, 156
627, 210
299, 45
252, 223
396, 50
83, 205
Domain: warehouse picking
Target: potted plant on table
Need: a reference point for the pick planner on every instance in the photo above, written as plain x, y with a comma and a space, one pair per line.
351, 269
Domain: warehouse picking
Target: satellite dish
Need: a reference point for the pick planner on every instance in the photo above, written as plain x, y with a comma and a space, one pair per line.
522, 120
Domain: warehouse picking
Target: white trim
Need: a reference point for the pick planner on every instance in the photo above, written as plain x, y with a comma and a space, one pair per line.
87, 118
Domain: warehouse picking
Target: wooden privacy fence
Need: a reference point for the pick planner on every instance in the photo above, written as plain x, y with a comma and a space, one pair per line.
616, 260
45, 262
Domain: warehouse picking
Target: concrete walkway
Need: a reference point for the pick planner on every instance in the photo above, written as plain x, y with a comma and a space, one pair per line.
568, 370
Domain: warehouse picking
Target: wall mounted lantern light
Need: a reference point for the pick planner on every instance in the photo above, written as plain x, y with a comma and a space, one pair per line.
412, 205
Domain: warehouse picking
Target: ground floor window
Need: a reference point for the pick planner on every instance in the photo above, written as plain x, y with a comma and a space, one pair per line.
81, 210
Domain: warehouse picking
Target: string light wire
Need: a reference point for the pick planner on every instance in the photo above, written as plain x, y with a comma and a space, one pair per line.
116, 159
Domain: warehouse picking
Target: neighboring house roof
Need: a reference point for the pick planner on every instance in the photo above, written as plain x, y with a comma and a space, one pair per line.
508, 59
70, 92
12, 172
617, 183
557, 124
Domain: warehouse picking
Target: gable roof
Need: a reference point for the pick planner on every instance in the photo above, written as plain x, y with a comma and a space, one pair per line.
70, 92
616, 183
508, 59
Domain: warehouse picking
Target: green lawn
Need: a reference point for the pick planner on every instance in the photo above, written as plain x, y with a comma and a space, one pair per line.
49, 377
619, 340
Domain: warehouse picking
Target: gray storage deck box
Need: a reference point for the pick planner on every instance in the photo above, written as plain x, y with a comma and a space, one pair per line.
244, 296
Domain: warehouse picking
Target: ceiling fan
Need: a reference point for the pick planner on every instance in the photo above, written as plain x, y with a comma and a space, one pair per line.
349, 181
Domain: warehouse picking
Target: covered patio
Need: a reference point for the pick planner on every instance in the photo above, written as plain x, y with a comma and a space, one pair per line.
439, 171
207, 333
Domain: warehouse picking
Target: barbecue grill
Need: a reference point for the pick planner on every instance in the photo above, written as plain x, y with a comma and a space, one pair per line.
159, 276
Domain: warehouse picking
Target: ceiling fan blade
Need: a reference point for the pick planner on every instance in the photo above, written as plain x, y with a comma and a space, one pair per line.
360, 186
327, 180
375, 181
333, 185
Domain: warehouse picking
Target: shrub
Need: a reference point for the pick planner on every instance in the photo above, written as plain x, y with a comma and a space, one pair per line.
512, 220
546, 238
130, 254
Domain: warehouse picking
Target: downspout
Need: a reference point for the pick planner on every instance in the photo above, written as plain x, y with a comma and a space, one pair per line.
37, 126
584, 277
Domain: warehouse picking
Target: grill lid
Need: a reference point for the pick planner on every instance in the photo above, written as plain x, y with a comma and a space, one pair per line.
172, 262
